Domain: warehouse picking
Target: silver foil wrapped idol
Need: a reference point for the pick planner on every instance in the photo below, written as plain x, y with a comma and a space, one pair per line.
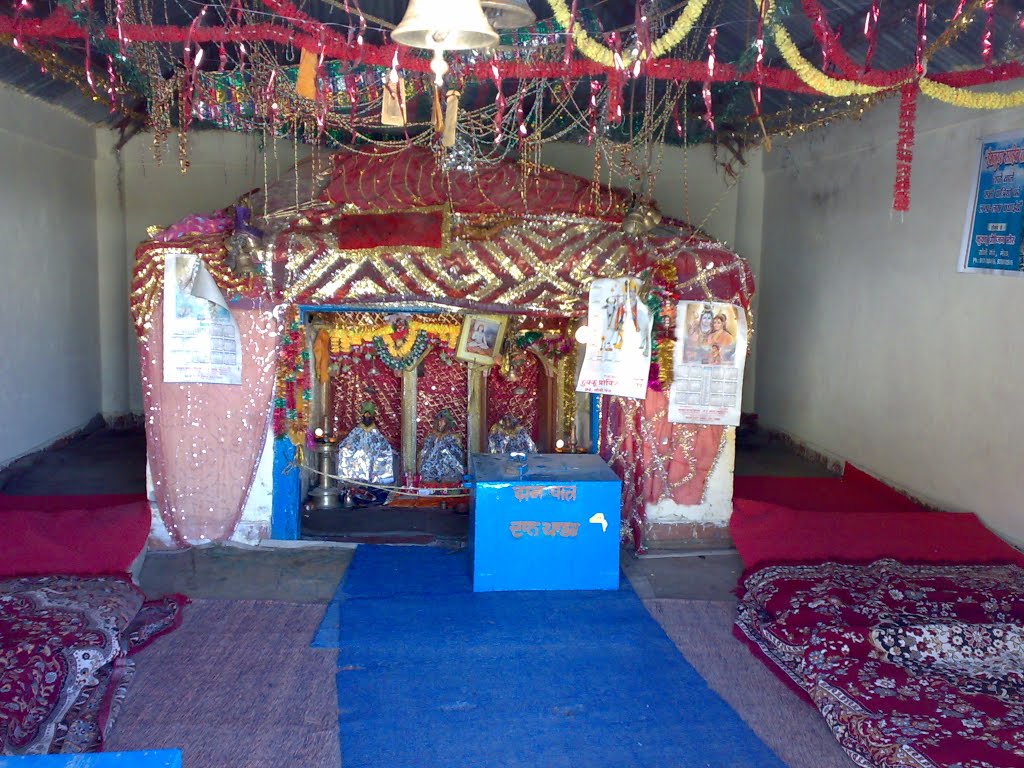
365, 455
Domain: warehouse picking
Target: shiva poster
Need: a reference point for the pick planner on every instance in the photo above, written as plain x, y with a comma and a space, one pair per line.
618, 356
708, 359
994, 231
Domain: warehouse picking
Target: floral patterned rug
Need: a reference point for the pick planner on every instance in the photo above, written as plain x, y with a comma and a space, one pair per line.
64, 642
911, 665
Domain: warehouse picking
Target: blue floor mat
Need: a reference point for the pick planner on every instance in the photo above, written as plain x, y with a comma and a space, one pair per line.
431, 674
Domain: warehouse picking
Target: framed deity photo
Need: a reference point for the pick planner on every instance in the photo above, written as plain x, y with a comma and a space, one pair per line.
481, 337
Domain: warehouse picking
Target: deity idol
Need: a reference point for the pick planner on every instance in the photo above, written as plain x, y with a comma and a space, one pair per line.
365, 455
441, 459
509, 436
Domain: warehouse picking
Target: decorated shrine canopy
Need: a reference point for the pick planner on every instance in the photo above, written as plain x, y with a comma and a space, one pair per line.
386, 232
397, 230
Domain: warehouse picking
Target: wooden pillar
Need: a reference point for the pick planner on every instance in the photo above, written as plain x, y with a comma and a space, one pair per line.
410, 381
476, 411
410, 388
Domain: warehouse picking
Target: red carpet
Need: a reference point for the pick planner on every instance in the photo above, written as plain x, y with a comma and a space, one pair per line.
77, 535
852, 519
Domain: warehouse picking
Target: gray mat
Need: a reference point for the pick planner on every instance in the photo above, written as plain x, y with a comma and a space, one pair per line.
793, 728
236, 685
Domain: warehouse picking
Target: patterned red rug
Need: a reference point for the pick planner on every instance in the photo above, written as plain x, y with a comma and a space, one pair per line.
909, 664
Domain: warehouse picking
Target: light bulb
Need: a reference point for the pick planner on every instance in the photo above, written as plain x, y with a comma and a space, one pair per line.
559, 443
582, 334
439, 67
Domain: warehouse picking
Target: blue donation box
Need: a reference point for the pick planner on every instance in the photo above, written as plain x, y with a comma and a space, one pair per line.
544, 521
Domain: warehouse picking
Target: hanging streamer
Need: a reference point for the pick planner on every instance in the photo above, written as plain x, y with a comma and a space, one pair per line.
905, 147
709, 116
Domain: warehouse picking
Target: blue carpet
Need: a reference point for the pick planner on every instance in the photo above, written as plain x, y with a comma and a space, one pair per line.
431, 674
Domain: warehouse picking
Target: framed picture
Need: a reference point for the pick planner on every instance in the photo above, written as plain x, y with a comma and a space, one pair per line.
481, 337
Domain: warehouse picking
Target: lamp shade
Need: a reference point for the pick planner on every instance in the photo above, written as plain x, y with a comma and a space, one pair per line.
508, 14
449, 25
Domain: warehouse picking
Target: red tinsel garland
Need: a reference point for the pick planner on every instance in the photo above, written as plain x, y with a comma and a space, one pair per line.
905, 147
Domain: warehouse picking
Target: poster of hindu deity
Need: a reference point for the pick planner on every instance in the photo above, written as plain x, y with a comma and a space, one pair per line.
618, 356
201, 338
710, 350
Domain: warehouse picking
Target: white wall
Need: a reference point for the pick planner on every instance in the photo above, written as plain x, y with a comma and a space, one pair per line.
692, 187
49, 352
872, 347
223, 166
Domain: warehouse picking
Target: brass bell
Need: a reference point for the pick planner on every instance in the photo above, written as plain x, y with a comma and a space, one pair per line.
508, 14
445, 25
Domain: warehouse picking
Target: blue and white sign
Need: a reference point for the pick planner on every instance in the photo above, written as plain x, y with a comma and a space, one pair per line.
994, 233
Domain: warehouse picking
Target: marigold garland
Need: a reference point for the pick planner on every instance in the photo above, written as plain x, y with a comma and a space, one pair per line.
595, 51
345, 338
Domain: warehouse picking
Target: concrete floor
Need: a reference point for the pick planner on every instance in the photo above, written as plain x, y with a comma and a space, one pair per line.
113, 461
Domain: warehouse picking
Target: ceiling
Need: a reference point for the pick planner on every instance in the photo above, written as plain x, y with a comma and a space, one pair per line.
71, 42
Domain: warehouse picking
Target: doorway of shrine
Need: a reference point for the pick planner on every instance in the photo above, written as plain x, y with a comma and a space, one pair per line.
400, 376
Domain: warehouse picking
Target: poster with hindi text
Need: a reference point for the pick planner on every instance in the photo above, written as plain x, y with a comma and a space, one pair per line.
618, 356
201, 338
708, 359
994, 231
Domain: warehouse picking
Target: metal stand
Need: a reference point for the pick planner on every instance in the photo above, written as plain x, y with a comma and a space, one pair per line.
327, 494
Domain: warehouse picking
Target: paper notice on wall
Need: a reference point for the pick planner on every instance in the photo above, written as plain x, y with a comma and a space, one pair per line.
707, 370
618, 356
201, 338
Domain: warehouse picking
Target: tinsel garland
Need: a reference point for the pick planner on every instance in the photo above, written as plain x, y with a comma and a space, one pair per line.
959, 97
394, 358
58, 26
810, 74
292, 392
905, 147
600, 53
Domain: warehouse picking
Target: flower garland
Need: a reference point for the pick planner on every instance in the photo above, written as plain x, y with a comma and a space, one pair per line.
595, 51
345, 338
292, 393
961, 97
404, 357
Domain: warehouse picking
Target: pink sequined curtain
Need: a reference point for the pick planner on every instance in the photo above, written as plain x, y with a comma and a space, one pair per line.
203, 441
519, 396
442, 384
366, 380
655, 459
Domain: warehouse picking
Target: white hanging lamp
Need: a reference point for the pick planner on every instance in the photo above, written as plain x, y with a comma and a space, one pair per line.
508, 14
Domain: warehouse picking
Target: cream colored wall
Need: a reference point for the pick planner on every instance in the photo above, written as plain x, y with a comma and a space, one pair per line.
872, 347
49, 355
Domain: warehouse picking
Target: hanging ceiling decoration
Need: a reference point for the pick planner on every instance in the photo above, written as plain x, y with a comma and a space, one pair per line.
518, 74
